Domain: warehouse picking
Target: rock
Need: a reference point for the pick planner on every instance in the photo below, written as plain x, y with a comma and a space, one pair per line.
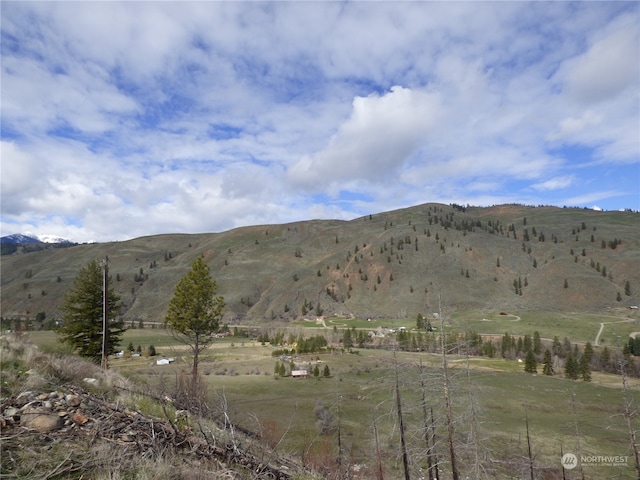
42, 422
23, 399
79, 419
10, 412
72, 400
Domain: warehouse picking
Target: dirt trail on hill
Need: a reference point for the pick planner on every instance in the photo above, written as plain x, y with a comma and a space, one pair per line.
602, 324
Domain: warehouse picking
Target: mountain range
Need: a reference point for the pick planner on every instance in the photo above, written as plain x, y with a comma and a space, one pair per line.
390, 264
27, 238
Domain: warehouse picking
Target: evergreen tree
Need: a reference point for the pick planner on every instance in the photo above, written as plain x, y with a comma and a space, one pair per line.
82, 314
605, 357
576, 352
588, 352
326, 373
505, 345
584, 368
530, 364
571, 368
537, 343
547, 363
316, 371
347, 340
194, 311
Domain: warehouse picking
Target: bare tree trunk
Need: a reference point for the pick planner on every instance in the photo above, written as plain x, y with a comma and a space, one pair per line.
447, 398
628, 415
526, 417
339, 436
403, 445
379, 475
194, 371
475, 440
427, 433
436, 467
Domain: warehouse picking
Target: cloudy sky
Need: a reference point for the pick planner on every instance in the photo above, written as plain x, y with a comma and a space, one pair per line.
127, 119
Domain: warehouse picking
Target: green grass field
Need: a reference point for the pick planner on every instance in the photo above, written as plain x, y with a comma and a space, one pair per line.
360, 392
577, 327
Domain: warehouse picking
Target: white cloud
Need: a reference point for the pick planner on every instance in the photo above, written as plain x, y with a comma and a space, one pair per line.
375, 142
609, 68
590, 197
123, 119
572, 127
555, 183
19, 176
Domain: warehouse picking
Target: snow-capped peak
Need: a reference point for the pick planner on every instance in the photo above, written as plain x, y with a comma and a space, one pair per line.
51, 239
29, 237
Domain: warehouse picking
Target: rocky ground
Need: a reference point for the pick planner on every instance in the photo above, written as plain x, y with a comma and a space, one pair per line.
70, 433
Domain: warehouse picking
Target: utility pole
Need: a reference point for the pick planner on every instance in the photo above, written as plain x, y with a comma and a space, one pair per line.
105, 313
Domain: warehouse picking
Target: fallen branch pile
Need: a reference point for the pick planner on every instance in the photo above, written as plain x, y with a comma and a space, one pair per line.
39, 420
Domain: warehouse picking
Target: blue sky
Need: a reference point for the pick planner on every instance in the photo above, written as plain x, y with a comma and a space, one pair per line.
124, 119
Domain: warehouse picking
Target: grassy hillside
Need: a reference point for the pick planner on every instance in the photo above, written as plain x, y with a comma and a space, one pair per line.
387, 265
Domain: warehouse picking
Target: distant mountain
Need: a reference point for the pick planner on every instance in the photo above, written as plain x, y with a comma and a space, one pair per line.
27, 242
27, 238
19, 239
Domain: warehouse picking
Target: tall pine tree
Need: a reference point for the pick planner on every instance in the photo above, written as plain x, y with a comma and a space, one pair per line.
530, 364
571, 368
547, 363
82, 314
194, 311
584, 368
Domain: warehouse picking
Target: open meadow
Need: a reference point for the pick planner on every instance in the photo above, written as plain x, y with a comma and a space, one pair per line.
492, 399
